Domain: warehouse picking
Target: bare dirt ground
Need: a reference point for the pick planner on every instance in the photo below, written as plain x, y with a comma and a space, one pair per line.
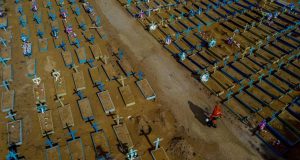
179, 96
179, 92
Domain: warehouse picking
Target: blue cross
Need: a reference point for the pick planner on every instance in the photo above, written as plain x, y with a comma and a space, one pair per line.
140, 75
100, 86
261, 77
228, 95
49, 142
251, 83
91, 62
12, 155
72, 134
80, 94
120, 53
95, 126
241, 88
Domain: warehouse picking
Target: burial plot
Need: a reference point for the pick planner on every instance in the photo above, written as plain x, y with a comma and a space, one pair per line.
66, 116
79, 80
7, 73
122, 134
127, 95
39, 93
100, 143
68, 59
53, 153
85, 109
146, 89
6, 53
43, 45
95, 75
60, 86
81, 55
8, 100
159, 154
46, 122
126, 67
76, 150
96, 51
106, 102
31, 67
110, 71
14, 131
81, 22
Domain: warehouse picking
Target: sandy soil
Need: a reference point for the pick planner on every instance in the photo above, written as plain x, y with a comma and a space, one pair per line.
177, 116
178, 91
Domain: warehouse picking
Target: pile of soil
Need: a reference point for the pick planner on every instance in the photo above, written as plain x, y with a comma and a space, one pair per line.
181, 149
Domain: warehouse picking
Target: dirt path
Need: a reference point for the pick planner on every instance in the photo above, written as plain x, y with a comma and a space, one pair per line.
176, 89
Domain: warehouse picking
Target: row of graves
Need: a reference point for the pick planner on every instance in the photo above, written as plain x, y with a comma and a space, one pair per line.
65, 39
14, 123
244, 52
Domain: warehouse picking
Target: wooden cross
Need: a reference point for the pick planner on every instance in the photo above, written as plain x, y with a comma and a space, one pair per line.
245, 52
75, 67
122, 80
117, 119
105, 58
215, 67
60, 101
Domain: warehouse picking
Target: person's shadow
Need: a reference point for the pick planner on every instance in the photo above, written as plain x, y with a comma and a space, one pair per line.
199, 113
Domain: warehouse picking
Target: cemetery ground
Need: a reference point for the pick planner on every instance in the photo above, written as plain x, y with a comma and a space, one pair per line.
177, 114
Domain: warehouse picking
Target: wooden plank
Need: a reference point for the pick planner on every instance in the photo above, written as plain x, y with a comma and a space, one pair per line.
125, 66
7, 73
79, 80
8, 100
46, 122
39, 93
106, 102
53, 153
110, 71
96, 51
81, 55
75, 149
66, 116
60, 87
127, 95
67, 56
100, 143
14, 130
146, 89
122, 134
85, 109
95, 75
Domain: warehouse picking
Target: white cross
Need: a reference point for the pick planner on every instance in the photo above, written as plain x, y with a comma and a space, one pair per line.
105, 58
37, 80
122, 80
117, 119
75, 67
56, 75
